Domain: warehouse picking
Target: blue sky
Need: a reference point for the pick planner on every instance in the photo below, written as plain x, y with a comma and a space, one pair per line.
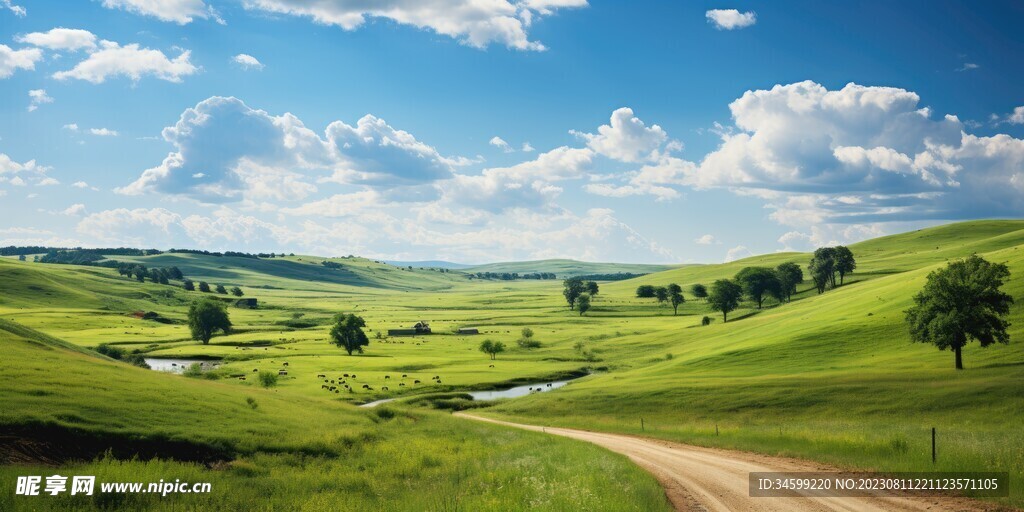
498, 130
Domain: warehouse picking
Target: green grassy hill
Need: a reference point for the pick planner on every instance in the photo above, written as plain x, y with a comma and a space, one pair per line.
298, 272
568, 268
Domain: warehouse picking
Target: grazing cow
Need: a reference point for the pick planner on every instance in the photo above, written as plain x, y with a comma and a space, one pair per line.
346, 375
415, 382
323, 386
385, 388
321, 376
353, 375
401, 383
366, 386
337, 391
254, 370
387, 376
286, 363
241, 378
282, 372
549, 385
491, 366
404, 375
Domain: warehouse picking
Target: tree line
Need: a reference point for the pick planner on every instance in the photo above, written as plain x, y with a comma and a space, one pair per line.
511, 276
579, 293
671, 294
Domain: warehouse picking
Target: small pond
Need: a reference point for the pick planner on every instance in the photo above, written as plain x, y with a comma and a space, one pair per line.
515, 392
178, 365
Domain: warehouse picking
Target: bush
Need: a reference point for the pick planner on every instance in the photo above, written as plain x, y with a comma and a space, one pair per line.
109, 351
193, 370
268, 379
705, 321
528, 343
137, 360
252, 402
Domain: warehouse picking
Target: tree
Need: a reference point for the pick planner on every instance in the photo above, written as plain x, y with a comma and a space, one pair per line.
725, 297
844, 262
645, 291
492, 348
661, 293
348, 334
206, 316
21, 257
204, 286
188, 285
526, 339
758, 282
164, 280
221, 289
527, 333
583, 303
675, 296
572, 289
175, 273
823, 268
960, 303
236, 291
592, 288
789, 275
141, 273
699, 291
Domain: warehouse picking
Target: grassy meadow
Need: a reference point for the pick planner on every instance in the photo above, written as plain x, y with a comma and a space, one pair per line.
831, 377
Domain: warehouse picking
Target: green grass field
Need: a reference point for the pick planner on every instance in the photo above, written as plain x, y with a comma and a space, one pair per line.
831, 377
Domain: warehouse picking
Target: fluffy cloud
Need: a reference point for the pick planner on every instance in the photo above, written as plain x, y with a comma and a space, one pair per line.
103, 132
61, 39
74, 210
227, 151
131, 61
729, 19
177, 11
18, 10
37, 97
12, 60
500, 143
137, 227
706, 240
474, 23
9, 166
247, 62
1017, 117
626, 138
859, 154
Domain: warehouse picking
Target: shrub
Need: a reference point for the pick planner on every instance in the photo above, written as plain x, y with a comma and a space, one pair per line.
268, 379
110, 351
528, 343
252, 402
193, 370
705, 321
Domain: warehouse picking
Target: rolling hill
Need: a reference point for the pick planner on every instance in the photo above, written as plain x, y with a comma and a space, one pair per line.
568, 268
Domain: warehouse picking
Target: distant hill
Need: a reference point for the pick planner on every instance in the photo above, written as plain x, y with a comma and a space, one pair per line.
568, 268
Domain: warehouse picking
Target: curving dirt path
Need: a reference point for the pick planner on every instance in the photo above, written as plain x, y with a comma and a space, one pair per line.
715, 480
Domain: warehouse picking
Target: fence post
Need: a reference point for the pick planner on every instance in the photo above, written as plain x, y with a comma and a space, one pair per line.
933, 445
642, 429
716, 429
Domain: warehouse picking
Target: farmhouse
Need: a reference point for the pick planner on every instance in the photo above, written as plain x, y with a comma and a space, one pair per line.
421, 327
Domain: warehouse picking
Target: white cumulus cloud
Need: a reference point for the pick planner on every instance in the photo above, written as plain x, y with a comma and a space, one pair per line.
177, 11
61, 39
730, 19
247, 62
131, 61
37, 97
12, 60
474, 23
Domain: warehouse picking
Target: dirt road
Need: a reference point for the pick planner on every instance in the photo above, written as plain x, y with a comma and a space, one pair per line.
715, 480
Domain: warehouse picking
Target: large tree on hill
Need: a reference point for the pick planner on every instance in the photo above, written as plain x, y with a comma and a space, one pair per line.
348, 334
699, 291
757, 282
789, 276
205, 317
675, 297
661, 293
724, 296
572, 288
844, 262
960, 303
592, 288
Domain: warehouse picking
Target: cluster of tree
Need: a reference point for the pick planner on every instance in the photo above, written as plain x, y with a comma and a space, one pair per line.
331, 264
671, 294
14, 250
73, 256
526, 339
134, 358
232, 254
828, 262
579, 293
492, 348
512, 276
618, 276
204, 287
140, 273
756, 283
